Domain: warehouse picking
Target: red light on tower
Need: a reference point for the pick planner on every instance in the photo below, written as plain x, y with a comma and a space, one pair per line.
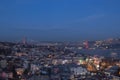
86, 44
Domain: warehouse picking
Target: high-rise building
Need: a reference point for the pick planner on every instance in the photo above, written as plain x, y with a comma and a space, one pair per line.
24, 40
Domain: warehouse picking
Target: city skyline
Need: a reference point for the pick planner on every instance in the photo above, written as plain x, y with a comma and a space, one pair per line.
59, 20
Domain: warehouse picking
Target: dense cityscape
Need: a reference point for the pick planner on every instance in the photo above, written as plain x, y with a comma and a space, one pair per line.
84, 60
59, 39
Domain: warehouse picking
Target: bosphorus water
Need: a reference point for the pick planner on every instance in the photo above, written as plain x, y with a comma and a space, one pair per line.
102, 52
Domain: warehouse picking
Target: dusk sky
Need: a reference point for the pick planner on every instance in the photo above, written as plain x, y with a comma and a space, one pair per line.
59, 20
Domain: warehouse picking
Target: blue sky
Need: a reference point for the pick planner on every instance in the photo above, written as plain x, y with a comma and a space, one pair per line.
59, 20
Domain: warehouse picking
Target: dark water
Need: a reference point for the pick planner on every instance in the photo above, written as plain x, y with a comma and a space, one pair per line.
101, 52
